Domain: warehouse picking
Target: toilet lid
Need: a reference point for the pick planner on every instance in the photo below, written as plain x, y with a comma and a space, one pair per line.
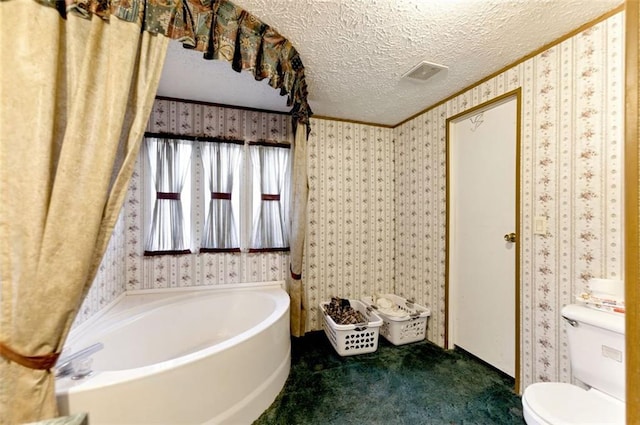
565, 404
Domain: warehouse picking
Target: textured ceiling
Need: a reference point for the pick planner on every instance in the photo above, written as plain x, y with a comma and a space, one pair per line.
355, 51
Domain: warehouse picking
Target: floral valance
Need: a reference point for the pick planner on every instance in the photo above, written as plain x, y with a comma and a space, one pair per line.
218, 28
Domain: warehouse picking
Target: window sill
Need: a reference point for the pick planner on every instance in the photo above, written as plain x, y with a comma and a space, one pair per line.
155, 253
218, 250
256, 250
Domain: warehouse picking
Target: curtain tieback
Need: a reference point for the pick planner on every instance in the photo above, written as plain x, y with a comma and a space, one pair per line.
220, 195
270, 197
44, 362
168, 195
294, 276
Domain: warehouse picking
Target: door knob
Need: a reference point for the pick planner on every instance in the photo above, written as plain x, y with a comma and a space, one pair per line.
510, 237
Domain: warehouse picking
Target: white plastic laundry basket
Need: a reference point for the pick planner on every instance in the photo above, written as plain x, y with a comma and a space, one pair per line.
402, 329
349, 340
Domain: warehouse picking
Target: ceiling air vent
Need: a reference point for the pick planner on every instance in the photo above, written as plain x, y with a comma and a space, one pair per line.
424, 70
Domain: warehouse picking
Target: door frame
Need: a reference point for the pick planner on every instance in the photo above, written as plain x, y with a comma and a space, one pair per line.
517, 94
632, 208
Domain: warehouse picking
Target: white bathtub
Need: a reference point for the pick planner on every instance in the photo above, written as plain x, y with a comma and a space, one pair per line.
187, 357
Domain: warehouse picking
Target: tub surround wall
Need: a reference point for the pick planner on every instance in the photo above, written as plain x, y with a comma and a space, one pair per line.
571, 159
177, 117
110, 280
125, 268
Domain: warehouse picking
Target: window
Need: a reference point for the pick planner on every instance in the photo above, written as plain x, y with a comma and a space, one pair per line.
270, 168
169, 166
221, 165
244, 195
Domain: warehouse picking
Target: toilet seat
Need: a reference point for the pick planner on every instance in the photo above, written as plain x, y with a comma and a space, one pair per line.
564, 404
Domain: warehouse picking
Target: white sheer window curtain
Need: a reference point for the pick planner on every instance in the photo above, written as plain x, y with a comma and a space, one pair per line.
221, 164
170, 169
270, 170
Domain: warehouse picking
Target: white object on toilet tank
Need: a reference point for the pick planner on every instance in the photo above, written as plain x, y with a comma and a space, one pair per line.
607, 288
597, 347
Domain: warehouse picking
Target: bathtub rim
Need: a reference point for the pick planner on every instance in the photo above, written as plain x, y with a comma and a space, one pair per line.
108, 309
65, 386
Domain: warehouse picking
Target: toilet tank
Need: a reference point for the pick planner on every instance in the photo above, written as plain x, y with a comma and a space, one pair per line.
596, 347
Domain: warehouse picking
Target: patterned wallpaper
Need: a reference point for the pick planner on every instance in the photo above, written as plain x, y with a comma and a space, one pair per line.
350, 244
377, 199
200, 269
110, 278
571, 173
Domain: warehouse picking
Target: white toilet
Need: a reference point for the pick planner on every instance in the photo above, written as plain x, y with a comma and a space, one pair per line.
596, 347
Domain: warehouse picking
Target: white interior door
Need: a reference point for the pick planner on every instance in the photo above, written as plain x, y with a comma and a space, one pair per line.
482, 276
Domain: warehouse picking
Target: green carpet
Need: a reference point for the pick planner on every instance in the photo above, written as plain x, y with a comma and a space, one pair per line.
417, 383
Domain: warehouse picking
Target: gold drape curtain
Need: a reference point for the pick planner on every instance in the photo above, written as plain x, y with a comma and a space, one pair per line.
299, 196
76, 96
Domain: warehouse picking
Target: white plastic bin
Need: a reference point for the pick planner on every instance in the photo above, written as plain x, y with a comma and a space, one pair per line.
349, 340
405, 328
